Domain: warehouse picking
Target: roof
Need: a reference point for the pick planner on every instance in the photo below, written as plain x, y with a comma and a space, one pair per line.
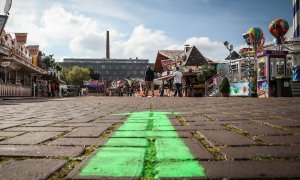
194, 58
234, 55
171, 54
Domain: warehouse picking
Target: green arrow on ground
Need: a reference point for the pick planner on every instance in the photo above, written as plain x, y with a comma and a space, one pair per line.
146, 145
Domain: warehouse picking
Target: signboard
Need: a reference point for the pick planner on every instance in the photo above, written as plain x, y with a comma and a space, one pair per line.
33, 50
262, 89
21, 38
167, 64
5, 63
3, 20
239, 89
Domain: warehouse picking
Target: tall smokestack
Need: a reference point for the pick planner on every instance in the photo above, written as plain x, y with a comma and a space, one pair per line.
107, 45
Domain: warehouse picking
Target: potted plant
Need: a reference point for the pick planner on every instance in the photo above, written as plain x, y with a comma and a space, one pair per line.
224, 87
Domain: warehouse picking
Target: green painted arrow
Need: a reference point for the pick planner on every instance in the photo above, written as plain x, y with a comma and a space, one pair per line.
146, 145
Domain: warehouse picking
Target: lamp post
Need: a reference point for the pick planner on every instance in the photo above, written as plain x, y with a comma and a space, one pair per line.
246, 36
230, 48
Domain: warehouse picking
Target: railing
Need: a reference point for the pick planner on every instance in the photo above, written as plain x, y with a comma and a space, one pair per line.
212, 85
7, 90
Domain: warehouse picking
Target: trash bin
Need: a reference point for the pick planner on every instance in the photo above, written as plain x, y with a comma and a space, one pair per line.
284, 88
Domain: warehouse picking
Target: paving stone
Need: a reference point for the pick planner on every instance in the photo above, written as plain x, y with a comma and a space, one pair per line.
87, 131
294, 130
258, 129
283, 122
222, 137
4, 126
30, 169
185, 128
38, 129
261, 151
252, 169
10, 134
40, 123
289, 139
39, 151
210, 127
197, 149
76, 142
82, 124
31, 138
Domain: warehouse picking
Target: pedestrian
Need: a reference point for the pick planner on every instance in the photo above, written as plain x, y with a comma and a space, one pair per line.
53, 89
177, 81
149, 77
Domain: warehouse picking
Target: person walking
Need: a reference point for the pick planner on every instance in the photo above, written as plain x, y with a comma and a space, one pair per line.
149, 77
177, 80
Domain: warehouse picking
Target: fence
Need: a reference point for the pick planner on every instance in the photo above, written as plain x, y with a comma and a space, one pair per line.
7, 90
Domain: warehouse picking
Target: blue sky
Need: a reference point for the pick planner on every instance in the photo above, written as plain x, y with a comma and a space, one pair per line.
139, 28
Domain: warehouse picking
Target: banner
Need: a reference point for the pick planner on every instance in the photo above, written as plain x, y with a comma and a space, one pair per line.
21, 38
3, 20
167, 64
33, 50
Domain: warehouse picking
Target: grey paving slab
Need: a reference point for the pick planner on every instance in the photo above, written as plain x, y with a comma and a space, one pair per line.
82, 124
197, 149
10, 134
289, 139
4, 126
283, 122
258, 129
40, 151
210, 127
31, 138
87, 131
41, 123
30, 169
223, 137
39, 129
252, 169
261, 151
77, 142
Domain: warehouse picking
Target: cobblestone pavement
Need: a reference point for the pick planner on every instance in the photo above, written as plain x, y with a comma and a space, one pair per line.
226, 137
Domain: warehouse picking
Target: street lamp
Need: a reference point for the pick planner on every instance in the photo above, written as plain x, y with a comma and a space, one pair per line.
230, 48
246, 36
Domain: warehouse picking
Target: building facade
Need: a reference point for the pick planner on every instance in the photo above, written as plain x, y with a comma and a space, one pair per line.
111, 69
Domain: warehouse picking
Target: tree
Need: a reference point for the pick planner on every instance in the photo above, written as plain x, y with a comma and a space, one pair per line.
76, 75
94, 75
206, 72
48, 61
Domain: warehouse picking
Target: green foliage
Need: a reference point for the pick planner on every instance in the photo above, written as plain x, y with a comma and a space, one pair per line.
206, 72
253, 81
75, 75
48, 61
94, 75
225, 86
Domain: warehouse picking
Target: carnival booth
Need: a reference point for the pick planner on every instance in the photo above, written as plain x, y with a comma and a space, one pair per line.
273, 74
242, 73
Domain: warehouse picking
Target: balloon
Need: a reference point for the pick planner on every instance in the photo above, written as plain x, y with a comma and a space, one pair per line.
278, 28
256, 37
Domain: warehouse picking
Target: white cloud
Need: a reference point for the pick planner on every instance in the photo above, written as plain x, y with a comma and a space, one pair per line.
212, 49
145, 42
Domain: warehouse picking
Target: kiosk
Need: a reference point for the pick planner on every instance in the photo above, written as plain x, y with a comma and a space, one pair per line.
273, 74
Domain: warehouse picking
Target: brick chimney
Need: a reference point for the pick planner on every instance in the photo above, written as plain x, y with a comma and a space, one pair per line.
107, 45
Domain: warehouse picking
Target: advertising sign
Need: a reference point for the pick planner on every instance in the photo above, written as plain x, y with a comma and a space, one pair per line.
239, 89
262, 89
21, 38
33, 50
